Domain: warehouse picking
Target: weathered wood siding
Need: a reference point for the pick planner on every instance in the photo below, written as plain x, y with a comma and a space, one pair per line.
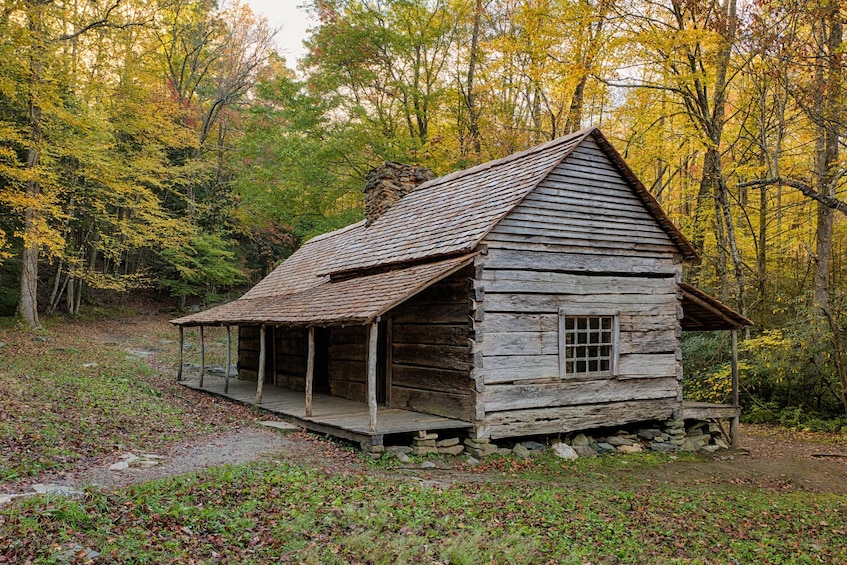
288, 345
248, 352
348, 351
581, 240
430, 350
290, 350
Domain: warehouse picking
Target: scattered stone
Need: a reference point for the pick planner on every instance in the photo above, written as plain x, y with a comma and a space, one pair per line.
720, 443
709, 448
448, 442
401, 457
533, 445
480, 447
89, 365
119, 466
2, 344
503, 451
452, 449
41, 339
428, 465
58, 490
74, 553
580, 439
696, 442
649, 434
472, 461
618, 441
628, 449
166, 341
566, 452
129, 457
144, 463
585, 451
664, 447
284, 426
604, 447
520, 451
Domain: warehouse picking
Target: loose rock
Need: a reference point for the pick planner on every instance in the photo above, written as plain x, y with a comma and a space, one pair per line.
565, 451
520, 451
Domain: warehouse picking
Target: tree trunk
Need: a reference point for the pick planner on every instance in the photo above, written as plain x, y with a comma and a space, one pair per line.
28, 301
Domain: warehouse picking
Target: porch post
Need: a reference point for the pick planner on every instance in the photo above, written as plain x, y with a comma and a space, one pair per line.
181, 344
310, 371
228, 359
260, 378
202, 356
733, 423
372, 361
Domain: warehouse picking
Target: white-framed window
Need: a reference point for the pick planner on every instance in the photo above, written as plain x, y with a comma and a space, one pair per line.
588, 344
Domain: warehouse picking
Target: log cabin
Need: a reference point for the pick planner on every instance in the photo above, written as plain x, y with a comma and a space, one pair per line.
536, 294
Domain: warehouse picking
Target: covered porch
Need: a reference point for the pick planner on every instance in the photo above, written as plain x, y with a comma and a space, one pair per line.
331, 415
703, 312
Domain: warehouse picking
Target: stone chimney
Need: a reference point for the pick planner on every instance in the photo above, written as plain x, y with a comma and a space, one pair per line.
387, 184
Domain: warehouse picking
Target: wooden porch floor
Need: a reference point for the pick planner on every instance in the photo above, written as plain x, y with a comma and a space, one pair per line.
331, 415
707, 411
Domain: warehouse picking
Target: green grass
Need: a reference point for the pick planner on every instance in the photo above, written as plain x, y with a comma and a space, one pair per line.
262, 513
69, 399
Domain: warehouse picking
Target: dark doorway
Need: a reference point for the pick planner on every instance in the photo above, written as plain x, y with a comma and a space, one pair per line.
383, 365
321, 375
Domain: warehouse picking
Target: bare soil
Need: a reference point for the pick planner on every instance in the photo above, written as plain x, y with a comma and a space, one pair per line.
768, 457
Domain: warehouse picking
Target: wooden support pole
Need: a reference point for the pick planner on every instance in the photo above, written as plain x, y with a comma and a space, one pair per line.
372, 362
202, 357
181, 344
260, 384
733, 423
228, 358
310, 371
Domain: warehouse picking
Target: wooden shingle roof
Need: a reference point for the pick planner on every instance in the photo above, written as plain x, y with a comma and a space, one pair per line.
352, 301
443, 218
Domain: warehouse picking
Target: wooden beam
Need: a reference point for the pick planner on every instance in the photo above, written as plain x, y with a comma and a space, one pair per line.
373, 336
310, 371
202, 357
260, 379
228, 358
181, 344
733, 423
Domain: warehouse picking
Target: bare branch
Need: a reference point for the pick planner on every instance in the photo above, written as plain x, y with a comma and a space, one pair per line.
806, 189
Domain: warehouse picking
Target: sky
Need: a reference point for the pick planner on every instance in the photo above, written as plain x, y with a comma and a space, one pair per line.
291, 20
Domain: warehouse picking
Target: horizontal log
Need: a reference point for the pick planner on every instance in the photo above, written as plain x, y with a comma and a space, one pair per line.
442, 404
654, 341
426, 378
601, 233
655, 365
449, 357
527, 322
350, 390
521, 343
538, 282
442, 334
348, 352
579, 241
637, 322
512, 368
540, 260
643, 304
456, 313
572, 393
516, 423
347, 371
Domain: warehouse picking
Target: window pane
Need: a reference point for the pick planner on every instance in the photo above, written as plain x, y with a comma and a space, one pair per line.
588, 346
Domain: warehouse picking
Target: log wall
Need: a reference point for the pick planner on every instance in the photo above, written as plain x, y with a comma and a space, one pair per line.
430, 350
348, 369
581, 241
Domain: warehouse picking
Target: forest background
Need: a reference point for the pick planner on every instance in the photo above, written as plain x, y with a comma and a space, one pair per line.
163, 145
